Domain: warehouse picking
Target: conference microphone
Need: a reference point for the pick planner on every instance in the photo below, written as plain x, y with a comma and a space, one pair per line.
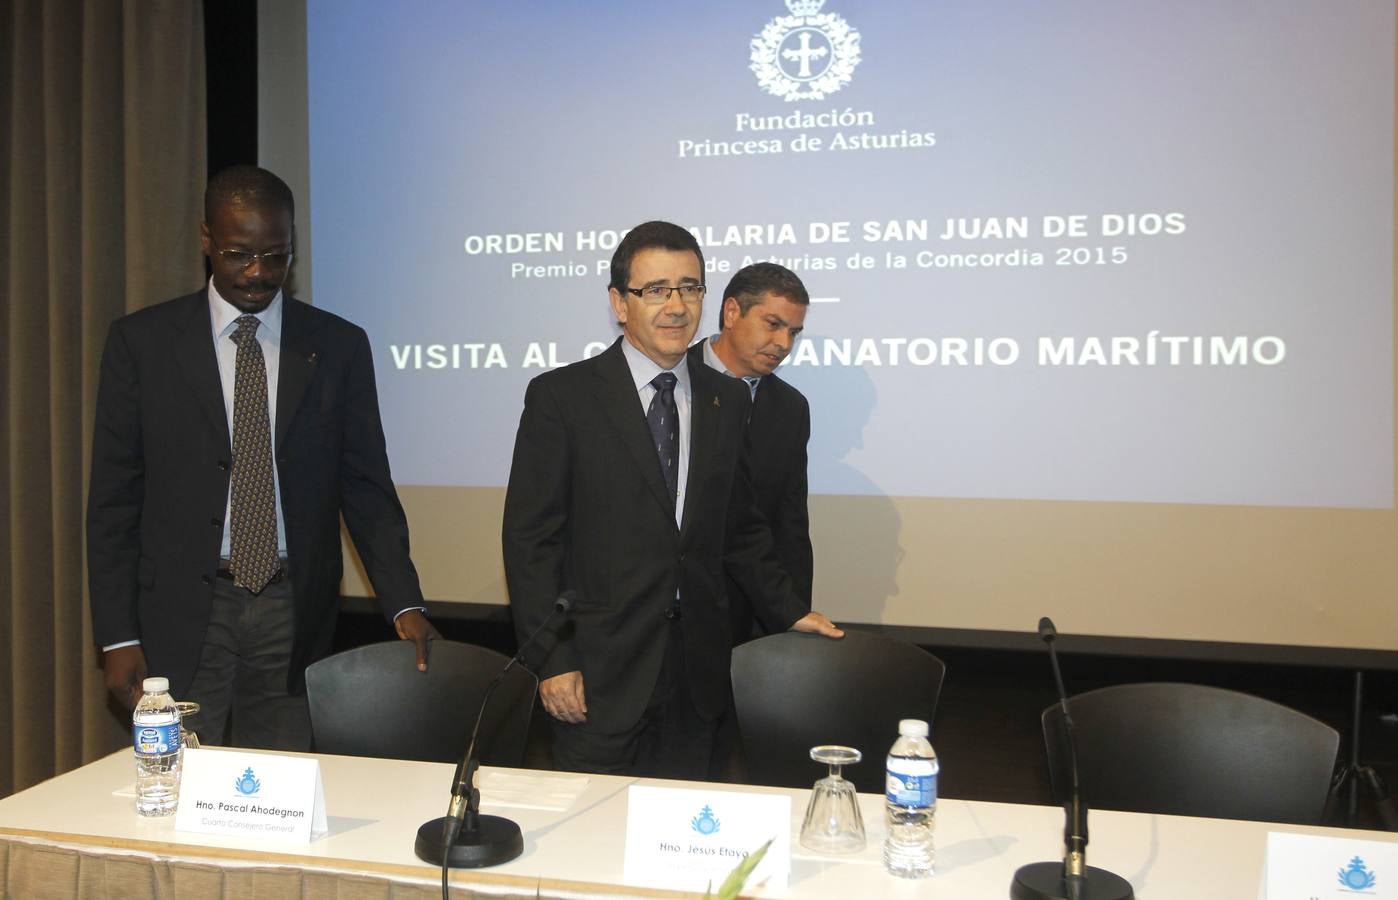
464, 838
1073, 878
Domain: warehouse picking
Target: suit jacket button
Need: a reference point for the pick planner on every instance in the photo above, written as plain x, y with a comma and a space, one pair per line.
216, 522
206, 579
223, 465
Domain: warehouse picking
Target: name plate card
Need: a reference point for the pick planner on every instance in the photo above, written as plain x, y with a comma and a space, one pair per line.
1310, 867
687, 839
251, 795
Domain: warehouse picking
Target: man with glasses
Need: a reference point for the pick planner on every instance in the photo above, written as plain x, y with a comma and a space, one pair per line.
763, 312
234, 427
629, 484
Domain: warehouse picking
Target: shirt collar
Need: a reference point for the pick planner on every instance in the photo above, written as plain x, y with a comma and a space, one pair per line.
644, 369
225, 314
711, 358
713, 361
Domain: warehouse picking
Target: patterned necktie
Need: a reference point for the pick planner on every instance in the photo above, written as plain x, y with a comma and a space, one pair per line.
663, 417
252, 554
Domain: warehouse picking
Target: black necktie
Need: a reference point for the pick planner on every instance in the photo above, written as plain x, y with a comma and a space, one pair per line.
252, 531
663, 417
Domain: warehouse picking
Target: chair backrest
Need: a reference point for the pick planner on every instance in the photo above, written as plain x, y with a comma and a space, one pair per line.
1191, 750
372, 701
796, 691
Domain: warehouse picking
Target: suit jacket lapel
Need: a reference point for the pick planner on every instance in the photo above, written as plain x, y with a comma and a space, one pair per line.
297, 366
703, 423
617, 391
760, 413
194, 351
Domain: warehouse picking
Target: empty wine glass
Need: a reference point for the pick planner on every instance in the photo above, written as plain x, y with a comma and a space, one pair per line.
187, 708
833, 823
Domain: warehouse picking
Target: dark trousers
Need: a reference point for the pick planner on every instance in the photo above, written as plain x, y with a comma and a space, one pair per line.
240, 683
671, 740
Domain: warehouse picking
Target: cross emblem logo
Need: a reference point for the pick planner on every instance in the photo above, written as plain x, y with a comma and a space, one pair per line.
806, 55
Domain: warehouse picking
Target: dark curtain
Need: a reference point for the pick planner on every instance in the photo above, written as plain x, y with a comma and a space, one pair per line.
102, 168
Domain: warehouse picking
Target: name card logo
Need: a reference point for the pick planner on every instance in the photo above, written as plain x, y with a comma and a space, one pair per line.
247, 785
705, 823
806, 55
1357, 877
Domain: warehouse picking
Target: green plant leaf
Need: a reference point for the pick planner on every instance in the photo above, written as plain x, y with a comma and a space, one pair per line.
733, 885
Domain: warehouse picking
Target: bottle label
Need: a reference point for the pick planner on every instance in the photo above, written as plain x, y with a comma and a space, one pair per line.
912, 790
156, 740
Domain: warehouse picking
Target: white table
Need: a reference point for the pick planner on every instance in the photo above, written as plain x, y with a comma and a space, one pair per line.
375, 807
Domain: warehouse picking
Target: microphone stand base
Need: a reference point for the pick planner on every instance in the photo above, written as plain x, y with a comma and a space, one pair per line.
1044, 881
495, 840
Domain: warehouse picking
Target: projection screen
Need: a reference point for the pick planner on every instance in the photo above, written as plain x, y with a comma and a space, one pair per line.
1102, 321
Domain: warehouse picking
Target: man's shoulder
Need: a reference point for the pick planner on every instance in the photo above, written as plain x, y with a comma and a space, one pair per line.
320, 319
702, 374
164, 312
784, 390
572, 386
582, 370
179, 309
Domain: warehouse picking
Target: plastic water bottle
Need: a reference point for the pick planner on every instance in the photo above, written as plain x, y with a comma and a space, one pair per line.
155, 731
911, 802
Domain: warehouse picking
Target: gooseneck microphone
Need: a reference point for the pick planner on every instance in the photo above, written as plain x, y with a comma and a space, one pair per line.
464, 838
1073, 878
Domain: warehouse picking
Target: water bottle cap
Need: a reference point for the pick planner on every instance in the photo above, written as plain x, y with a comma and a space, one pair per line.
155, 685
912, 728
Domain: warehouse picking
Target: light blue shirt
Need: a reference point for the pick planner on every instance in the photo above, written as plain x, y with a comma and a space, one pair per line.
643, 370
711, 358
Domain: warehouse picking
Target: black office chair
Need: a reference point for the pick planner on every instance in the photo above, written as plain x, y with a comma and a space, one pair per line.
1191, 750
795, 691
372, 701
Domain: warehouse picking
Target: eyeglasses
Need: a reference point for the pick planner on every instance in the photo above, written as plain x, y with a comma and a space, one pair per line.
661, 293
243, 259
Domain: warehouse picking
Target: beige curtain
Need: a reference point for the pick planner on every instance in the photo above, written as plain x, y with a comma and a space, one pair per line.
102, 167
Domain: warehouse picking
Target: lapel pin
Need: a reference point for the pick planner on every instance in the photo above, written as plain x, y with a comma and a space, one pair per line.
716, 406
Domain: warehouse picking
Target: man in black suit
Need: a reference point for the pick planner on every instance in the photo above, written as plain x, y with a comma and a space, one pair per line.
629, 484
234, 427
763, 312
